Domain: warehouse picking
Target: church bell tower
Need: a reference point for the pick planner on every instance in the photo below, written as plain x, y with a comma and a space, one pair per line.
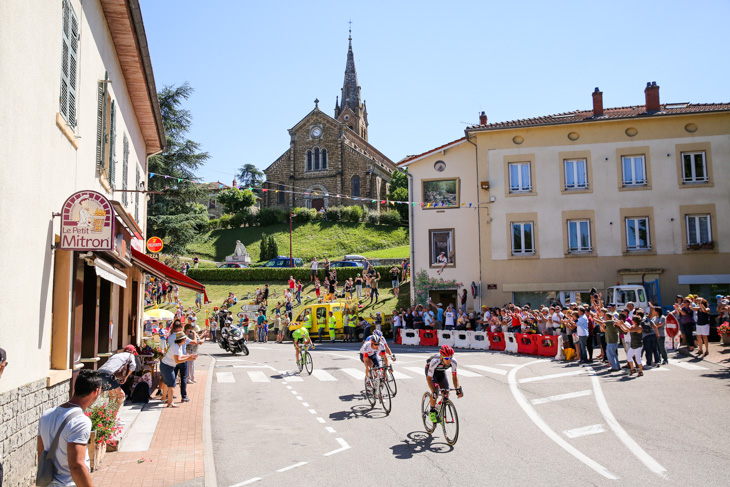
351, 110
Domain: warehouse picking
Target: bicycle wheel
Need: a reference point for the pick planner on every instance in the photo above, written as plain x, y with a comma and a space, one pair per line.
300, 362
370, 391
244, 349
384, 397
390, 381
425, 413
450, 422
308, 362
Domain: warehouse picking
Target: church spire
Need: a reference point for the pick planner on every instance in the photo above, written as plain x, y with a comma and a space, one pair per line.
349, 107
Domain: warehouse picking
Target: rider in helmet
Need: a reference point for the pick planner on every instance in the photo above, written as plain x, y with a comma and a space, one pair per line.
383, 349
436, 367
373, 344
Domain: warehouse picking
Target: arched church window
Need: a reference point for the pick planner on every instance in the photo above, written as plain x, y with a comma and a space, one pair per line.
309, 160
324, 158
316, 159
356, 186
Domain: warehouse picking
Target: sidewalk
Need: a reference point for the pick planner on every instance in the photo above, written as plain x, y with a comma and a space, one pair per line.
175, 455
719, 354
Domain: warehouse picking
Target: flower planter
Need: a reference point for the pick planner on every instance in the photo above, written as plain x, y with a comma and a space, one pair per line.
708, 246
725, 337
97, 451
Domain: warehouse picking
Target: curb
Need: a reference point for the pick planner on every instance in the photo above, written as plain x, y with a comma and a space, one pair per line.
209, 476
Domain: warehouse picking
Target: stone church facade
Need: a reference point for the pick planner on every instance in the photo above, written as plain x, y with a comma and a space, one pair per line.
330, 157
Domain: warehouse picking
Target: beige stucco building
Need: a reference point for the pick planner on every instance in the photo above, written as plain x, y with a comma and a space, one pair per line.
549, 207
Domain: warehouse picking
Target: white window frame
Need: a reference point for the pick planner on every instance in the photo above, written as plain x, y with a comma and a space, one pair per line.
579, 249
694, 178
522, 226
520, 186
433, 248
636, 219
697, 218
575, 163
633, 179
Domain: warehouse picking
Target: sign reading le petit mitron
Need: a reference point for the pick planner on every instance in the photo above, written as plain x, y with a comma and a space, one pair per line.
87, 222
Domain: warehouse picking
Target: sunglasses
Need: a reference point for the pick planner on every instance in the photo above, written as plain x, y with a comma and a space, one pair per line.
448, 359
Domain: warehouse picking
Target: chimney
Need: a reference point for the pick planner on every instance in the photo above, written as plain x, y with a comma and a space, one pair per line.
482, 118
652, 97
597, 103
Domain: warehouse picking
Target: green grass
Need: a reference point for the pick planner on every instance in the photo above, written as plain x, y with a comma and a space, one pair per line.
401, 252
315, 239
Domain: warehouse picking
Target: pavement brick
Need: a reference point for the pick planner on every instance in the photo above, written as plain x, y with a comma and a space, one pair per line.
719, 354
176, 452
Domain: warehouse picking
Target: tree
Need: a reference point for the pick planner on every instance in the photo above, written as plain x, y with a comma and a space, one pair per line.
399, 192
174, 215
236, 200
249, 176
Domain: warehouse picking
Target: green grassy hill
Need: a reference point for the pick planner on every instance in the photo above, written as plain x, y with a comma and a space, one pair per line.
314, 239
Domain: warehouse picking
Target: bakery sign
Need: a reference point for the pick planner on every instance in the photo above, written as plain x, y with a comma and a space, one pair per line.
87, 222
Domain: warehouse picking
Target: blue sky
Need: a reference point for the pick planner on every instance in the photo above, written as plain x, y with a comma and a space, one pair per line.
426, 68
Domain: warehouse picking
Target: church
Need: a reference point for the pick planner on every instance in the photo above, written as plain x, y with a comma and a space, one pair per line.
330, 157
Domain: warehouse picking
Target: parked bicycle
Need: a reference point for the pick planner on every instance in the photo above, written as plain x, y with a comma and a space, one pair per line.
446, 415
376, 389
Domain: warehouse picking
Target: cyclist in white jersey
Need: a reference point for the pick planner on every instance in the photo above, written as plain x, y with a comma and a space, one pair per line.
436, 378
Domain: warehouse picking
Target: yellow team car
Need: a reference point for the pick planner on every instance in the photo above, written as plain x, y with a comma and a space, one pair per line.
314, 316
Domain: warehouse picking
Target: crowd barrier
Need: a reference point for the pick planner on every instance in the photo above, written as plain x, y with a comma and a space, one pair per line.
410, 337
496, 341
510, 342
428, 338
547, 346
462, 339
479, 340
526, 344
446, 337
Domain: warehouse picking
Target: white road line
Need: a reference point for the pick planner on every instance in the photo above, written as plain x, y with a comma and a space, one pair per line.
468, 373
290, 467
258, 376
288, 387
659, 369
417, 370
553, 376
321, 420
299, 398
323, 375
294, 392
224, 377
540, 423
507, 365
561, 397
401, 375
305, 404
593, 429
330, 429
619, 431
686, 365
342, 443
488, 369
293, 378
313, 411
356, 373
249, 481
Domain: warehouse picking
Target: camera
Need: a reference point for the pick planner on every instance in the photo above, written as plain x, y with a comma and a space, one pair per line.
593, 292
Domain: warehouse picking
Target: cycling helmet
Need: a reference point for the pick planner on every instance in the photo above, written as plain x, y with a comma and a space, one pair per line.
378, 334
447, 351
374, 339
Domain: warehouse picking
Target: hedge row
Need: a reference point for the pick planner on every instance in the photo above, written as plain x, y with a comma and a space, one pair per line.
278, 274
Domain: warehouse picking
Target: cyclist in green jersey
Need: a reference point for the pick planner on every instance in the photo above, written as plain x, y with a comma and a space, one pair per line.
301, 334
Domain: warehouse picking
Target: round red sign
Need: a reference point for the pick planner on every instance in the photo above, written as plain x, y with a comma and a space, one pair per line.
154, 244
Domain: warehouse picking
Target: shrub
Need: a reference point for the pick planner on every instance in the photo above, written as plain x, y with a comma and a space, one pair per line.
390, 217
225, 221
352, 214
373, 217
334, 213
269, 216
304, 215
214, 224
238, 220
209, 274
318, 215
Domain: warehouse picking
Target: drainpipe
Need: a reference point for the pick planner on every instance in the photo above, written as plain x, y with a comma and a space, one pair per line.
410, 229
479, 219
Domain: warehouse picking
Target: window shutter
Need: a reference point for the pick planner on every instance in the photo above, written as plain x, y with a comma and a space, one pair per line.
125, 167
69, 64
136, 197
100, 116
112, 143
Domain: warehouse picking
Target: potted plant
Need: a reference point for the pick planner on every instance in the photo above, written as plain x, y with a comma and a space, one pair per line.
708, 245
724, 332
103, 429
694, 246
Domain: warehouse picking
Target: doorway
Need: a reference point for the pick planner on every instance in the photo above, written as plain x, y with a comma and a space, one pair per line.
317, 203
445, 297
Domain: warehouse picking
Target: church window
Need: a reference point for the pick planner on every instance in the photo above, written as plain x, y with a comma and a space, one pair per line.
356, 186
324, 158
280, 194
316, 159
309, 160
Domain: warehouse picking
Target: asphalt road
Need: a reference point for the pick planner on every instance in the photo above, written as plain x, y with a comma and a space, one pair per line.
523, 421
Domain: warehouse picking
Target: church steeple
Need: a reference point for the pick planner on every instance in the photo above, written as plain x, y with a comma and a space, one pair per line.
350, 108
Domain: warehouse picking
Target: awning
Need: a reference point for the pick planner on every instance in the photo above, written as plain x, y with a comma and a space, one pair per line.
127, 220
108, 272
156, 268
704, 279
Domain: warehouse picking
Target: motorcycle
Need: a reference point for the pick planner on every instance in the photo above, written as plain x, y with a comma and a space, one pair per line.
233, 340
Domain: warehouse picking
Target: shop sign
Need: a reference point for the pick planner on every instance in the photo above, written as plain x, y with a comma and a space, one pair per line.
87, 222
154, 244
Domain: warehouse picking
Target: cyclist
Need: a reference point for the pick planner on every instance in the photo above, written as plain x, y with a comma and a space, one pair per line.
369, 352
436, 367
383, 350
301, 334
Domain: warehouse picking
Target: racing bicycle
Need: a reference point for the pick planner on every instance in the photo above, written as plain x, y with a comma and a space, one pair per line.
446, 415
376, 389
305, 359
390, 379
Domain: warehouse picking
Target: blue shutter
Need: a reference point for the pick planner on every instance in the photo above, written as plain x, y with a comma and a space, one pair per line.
125, 167
112, 143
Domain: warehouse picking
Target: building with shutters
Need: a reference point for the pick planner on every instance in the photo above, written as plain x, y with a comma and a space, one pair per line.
80, 118
329, 157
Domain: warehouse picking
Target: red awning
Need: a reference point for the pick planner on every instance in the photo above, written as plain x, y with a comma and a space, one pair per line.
154, 267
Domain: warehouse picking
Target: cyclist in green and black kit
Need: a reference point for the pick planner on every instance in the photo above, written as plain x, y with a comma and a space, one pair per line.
301, 334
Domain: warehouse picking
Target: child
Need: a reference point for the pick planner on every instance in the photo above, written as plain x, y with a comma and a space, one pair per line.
317, 291
299, 292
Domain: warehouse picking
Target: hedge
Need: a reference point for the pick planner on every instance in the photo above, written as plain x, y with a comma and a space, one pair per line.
278, 274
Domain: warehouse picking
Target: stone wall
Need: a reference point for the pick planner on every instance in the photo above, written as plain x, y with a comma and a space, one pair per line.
20, 410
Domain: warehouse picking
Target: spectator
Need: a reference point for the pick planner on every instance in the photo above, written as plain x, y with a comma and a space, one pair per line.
213, 328
660, 323
277, 327
634, 355
449, 318
358, 286
374, 293
196, 261
396, 322
419, 321
608, 326
180, 366
365, 325
117, 370
702, 308
462, 301
326, 267
313, 269
686, 322
73, 428
409, 319
428, 318
192, 349
261, 327
298, 295
394, 273
199, 300
404, 267
170, 365
3, 361
439, 309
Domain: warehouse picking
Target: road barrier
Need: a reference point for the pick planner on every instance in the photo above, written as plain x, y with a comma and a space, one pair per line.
479, 340
462, 339
446, 337
398, 337
428, 338
410, 337
547, 346
496, 341
510, 342
526, 344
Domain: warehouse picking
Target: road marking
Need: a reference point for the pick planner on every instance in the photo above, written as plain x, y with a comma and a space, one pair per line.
401, 375
342, 443
686, 365
323, 375
488, 369
619, 431
356, 373
313, 411
593, 429
293, 378
321, 420
294, 392
330, 429
507, 365
417, 370
540, 423
658, 369
553, 376
288, 387
299, 398
258, 376
249, 481
305, 404
561, 397
224, 377
290, 467
468, 373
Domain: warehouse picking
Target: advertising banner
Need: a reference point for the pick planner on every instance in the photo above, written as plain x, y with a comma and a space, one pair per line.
87, 222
